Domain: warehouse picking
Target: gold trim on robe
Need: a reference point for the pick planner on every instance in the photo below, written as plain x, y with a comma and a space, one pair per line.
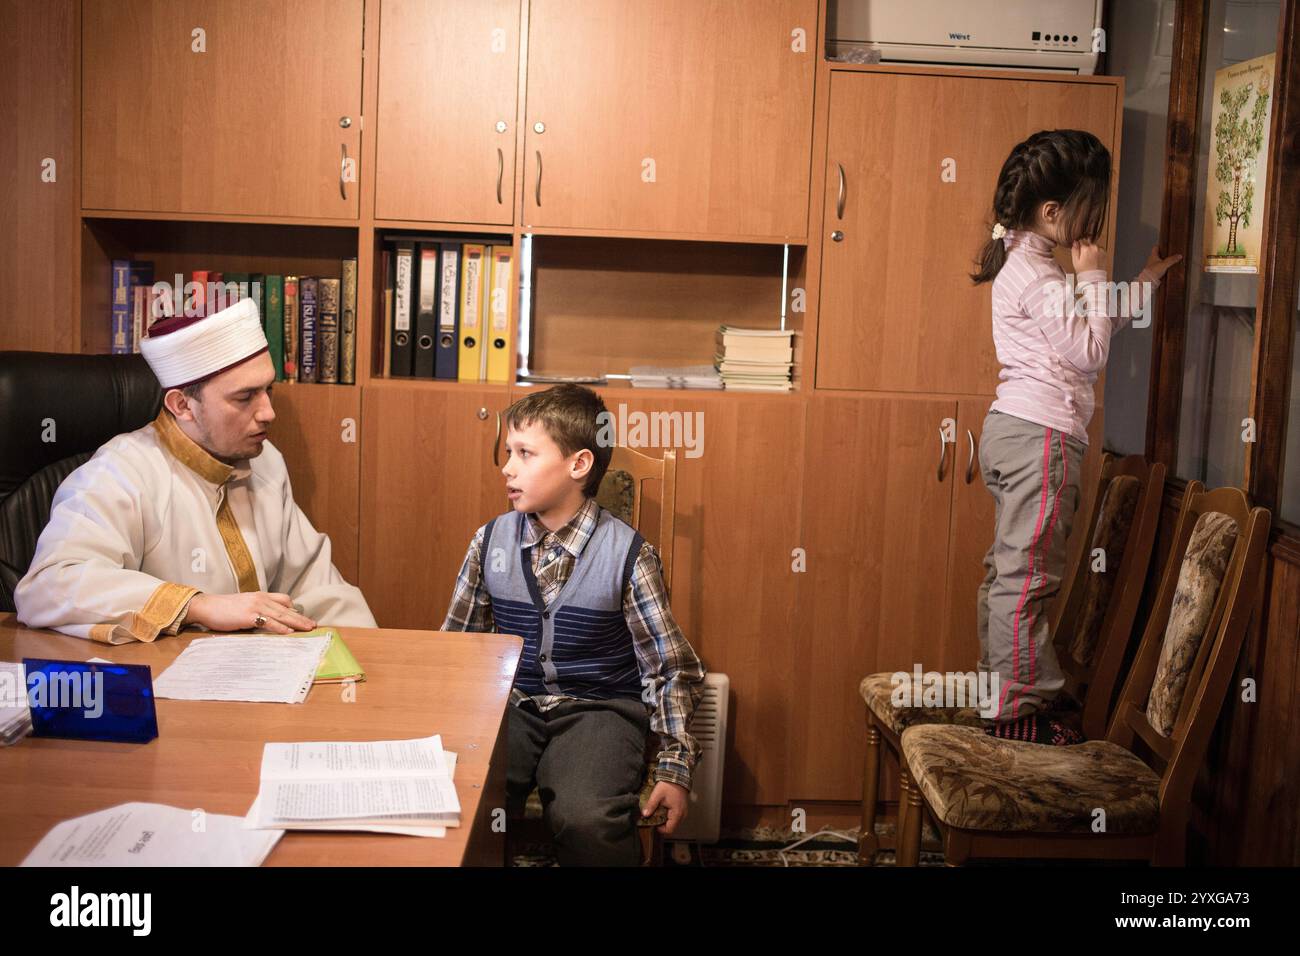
185, 450
160, 614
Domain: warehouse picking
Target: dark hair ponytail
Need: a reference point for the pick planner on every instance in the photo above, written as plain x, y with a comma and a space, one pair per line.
1069, 166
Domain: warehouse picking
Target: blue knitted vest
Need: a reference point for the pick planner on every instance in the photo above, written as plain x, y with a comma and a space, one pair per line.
580, 644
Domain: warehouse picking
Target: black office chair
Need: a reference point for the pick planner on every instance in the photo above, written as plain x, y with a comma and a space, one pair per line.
55, 410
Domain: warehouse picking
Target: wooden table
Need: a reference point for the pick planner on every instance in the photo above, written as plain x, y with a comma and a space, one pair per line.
208, 754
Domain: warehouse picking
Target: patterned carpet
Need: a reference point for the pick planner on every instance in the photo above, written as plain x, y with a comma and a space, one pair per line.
760, 846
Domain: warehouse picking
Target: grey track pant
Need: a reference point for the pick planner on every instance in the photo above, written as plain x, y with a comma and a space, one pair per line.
587, 757
1033, 473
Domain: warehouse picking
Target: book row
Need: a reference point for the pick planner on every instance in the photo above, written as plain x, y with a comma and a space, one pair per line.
310, 321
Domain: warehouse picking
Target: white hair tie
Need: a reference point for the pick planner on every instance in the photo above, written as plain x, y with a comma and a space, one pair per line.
999, 230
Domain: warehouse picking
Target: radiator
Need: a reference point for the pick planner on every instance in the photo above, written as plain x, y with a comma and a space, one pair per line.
709, 727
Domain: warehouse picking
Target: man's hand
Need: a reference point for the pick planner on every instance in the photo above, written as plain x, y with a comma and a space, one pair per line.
1159, 266
239, 612
673, 797
1085, 255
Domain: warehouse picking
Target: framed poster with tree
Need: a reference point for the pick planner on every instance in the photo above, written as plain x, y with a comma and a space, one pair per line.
1243, 95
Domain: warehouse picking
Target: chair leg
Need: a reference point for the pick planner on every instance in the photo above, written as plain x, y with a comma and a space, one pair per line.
868, 843
909, 841
904, 784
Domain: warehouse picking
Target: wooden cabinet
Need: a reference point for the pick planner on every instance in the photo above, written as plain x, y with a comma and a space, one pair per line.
225, 108
670, 116
448, 85
317, 429
897, 308
895, 543
876, 513
733, 587
428, 482
970, 534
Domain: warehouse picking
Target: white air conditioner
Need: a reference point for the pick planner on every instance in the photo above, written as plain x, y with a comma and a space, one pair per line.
709, 727
1060, 35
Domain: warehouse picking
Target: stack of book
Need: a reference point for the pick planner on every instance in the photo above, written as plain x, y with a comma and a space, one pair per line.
684, 376
449, 309
757, 360
310, 321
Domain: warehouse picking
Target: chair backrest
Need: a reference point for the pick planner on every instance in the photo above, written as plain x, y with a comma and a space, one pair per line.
1096, 626
641, 468
1179, 679
55, 411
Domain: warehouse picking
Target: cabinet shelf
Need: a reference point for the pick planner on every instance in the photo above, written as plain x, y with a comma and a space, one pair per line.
161, 216
187, 245
801, 240
599, 306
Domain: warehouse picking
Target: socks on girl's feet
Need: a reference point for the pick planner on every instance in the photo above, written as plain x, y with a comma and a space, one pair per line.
1036, 729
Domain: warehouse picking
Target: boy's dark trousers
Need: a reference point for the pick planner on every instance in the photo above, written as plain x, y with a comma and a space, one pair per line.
588, 760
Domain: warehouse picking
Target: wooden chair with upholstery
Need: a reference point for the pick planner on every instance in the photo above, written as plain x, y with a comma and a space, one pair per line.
1126, 797
1096, 626
621, 494
1098, 612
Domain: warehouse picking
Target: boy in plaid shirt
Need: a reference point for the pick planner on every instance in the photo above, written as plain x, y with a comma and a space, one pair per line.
603, 661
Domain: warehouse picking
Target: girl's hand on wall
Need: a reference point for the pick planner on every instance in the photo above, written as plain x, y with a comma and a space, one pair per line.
1157, 266
1085, 255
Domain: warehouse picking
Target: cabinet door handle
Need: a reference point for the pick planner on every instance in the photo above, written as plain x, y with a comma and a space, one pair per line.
970, 459
537, 192
343, 168
943, 455
501, 168
839, 201
496, 444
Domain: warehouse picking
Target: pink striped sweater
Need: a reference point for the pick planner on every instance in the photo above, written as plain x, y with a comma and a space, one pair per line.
1050, 358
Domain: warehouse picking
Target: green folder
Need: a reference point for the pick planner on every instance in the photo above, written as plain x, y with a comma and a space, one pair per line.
338, 665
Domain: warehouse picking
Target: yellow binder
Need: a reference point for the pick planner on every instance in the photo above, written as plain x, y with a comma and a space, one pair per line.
473, 288
501, 314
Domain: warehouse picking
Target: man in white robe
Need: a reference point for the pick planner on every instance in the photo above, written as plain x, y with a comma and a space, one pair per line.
191, 519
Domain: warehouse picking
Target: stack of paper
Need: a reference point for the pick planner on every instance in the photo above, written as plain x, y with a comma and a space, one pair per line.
757, 360
152, 834
683, 376
15, 717
265, 669
386, 786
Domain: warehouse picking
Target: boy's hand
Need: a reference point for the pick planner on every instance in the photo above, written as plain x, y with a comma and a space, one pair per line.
1085, 255
673, 797
1159, 266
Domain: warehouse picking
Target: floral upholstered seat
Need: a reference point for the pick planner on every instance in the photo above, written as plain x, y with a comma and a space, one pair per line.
877, 691
977, 782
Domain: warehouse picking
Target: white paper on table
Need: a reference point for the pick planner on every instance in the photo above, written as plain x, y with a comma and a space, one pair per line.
15, 717
152, 834
260, 669
386, 786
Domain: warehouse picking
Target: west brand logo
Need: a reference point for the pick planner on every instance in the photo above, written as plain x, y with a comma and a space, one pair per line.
103, 909
959, 36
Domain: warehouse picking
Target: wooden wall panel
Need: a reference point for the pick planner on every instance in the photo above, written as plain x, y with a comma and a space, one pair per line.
311, 431
38, 101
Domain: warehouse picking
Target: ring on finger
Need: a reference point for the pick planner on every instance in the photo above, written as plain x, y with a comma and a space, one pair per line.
259, 621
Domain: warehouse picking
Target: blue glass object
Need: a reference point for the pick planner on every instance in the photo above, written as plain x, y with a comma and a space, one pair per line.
87, 701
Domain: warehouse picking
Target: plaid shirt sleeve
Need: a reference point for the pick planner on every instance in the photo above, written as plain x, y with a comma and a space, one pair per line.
471, 608
671, 673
